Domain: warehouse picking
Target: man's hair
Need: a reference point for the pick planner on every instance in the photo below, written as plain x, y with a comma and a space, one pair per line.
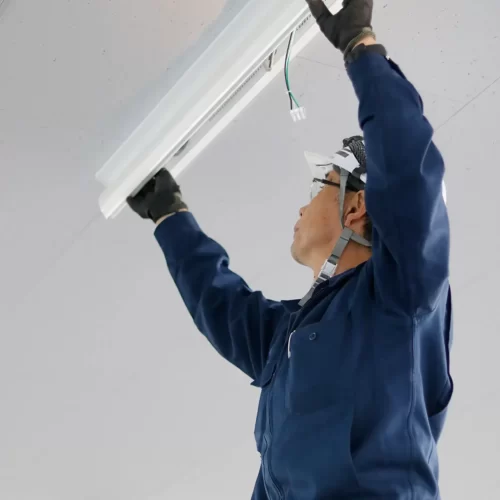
368, 228
357, 145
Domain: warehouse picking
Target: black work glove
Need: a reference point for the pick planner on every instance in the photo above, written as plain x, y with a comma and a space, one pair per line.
348, 26
159, 197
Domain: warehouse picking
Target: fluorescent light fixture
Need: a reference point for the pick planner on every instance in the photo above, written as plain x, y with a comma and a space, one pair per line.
230, 73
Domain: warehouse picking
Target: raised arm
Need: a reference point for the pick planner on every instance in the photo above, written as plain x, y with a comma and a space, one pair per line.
238, 322
404, 168
404, 187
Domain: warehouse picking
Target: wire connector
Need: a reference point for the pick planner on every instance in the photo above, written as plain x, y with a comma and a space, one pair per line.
298, 114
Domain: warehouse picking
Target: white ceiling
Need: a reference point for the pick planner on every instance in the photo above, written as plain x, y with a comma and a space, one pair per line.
107, 392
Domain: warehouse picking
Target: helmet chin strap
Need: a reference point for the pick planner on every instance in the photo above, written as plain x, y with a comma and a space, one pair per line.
330, 266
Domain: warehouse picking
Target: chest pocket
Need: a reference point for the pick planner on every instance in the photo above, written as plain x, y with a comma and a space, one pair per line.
320, 367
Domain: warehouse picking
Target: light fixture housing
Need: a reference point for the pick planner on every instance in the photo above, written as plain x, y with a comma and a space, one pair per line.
244, 58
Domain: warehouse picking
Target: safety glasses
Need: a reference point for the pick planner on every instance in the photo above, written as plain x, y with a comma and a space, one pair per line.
318, 184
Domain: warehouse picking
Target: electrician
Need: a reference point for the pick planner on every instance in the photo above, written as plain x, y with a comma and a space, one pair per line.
354, 378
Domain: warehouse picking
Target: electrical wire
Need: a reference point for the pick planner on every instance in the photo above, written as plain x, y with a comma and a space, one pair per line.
287, 79
287, 57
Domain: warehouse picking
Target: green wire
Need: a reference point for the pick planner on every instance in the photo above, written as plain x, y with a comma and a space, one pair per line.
291, 93
288, 83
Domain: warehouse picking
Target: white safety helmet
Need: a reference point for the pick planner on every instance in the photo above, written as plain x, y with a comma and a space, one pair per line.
350, 164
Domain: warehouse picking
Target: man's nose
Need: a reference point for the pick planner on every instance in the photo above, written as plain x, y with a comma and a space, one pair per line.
302, 210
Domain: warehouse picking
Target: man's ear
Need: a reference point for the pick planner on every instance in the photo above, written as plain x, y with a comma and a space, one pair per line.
355, 210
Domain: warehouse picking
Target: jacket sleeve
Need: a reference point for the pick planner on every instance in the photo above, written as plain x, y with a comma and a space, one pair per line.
238, 322
403, 193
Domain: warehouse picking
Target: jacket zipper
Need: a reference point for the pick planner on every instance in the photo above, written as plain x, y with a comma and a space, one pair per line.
269, 468
270, 427
267, 458
268, 475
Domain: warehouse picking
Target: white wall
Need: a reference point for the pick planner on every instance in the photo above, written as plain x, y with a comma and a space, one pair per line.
106, 389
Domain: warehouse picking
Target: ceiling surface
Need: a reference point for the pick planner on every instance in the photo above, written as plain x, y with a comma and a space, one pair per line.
107, 391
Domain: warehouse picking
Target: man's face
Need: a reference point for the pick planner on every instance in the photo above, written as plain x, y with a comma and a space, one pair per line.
318, 227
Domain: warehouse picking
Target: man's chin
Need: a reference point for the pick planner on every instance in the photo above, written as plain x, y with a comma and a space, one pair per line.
296, 254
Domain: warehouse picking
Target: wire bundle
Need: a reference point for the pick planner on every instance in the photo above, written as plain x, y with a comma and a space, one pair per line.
296, 110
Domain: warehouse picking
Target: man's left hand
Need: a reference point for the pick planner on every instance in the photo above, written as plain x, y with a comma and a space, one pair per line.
346, 28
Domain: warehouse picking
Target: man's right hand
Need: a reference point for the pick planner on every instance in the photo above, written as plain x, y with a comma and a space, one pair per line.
160, 197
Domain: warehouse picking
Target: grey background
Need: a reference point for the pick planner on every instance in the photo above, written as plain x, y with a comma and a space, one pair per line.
107, 391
